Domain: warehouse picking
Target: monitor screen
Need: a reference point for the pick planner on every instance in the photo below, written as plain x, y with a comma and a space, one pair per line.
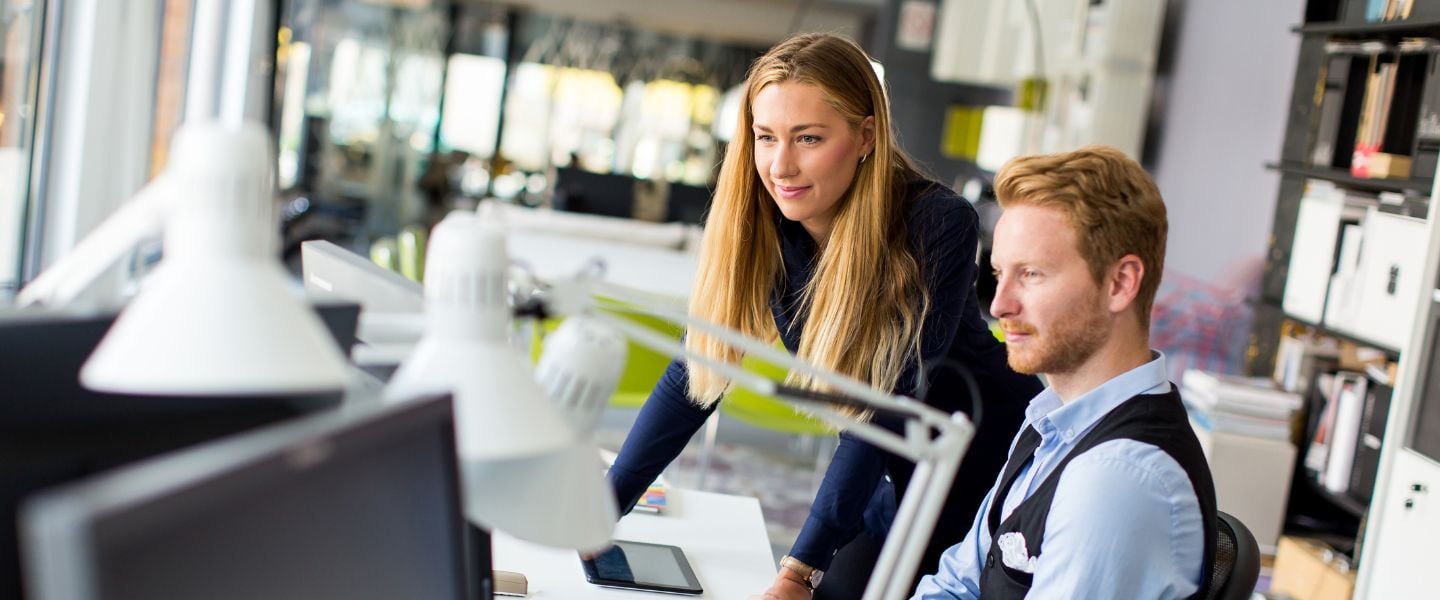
56, 431
344, 504
334, 272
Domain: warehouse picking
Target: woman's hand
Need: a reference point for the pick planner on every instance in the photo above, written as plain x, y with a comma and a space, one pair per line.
785, 589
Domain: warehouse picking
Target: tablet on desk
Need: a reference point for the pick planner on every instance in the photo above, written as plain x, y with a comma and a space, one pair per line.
642, 566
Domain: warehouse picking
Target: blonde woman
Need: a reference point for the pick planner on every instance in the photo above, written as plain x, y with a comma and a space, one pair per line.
822, 234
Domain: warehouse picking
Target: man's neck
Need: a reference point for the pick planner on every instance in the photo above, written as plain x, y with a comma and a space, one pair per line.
1121, 354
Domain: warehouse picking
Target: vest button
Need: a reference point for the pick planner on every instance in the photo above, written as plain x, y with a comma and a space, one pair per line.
990, 561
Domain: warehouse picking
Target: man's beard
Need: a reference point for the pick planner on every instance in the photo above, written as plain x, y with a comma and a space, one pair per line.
1069, 343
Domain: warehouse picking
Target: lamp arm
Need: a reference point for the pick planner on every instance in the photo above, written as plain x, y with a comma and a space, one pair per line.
872, 398
140, 217
911, 447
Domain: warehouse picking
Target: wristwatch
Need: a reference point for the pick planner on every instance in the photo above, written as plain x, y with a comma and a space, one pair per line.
811, 575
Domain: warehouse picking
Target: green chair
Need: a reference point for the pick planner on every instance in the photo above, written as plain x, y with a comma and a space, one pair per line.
765, 412
643, 366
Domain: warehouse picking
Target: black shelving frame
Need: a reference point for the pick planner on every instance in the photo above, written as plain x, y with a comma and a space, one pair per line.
1327, 20
1344, 178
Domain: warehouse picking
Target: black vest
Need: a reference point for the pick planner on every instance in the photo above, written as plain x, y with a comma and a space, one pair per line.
1158, 420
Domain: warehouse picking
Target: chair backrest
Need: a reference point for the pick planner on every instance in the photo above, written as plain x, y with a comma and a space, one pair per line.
1236, 567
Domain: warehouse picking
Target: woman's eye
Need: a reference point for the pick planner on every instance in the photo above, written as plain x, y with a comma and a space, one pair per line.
809, 140
765, 138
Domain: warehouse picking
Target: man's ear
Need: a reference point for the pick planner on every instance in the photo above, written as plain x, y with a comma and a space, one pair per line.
1124, 282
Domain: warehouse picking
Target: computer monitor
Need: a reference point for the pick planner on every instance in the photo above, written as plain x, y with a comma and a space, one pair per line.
687, 204
578, 190
344, 504
334, 272
53, 430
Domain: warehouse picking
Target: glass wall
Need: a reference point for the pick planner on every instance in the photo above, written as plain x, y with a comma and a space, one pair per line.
21, 26
391, 115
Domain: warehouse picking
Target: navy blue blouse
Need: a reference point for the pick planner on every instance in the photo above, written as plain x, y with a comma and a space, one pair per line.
942, 229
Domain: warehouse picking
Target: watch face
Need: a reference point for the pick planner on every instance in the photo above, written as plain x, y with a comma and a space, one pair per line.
815, 577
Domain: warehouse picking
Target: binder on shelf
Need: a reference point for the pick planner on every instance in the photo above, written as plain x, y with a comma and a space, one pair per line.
1332, 127
1342, 302
1375, 10
1317, 454
1349, 405
1372, 433
1317, 226
1389, 278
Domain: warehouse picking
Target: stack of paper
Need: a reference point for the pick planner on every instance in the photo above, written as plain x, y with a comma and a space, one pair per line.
1239, 405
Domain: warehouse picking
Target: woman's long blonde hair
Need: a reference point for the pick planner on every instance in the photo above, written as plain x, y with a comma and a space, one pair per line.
865, 302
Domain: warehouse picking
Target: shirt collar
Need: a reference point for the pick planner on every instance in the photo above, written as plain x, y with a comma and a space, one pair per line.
1050, 417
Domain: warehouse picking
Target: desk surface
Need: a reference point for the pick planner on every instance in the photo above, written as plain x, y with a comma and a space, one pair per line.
655, 270
723, 536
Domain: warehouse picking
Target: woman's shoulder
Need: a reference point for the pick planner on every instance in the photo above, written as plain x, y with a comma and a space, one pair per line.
934, 209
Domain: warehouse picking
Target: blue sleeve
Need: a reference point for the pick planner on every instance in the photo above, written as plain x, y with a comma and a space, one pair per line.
666, 423
959, 575
837, 514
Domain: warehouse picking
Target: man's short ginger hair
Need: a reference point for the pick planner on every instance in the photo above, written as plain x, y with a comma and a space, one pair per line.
1108, 198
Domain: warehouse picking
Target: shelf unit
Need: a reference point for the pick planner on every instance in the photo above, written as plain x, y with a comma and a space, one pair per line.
1401, 520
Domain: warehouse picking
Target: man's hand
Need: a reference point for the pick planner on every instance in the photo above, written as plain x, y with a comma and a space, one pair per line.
785, 588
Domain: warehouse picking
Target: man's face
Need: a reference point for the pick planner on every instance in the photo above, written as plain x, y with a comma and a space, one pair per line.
1054, 315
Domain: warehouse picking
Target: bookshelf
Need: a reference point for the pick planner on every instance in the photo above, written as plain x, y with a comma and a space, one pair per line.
1355, 84
1344, 177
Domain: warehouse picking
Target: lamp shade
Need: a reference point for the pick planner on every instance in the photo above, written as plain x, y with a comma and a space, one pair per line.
581, 368
526, 471
218, 316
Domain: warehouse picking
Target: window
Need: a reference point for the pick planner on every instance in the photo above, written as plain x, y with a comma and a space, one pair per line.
21, 25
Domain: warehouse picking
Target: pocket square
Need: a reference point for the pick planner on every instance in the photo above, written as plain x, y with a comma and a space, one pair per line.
1013, 553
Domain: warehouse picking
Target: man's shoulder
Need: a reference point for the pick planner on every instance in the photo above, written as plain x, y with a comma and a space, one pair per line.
1128, 471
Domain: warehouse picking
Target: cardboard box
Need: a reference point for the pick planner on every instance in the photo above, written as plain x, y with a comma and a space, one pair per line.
1389, 166
1309, 570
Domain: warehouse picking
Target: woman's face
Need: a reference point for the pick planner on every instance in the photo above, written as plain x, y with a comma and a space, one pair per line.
806, 153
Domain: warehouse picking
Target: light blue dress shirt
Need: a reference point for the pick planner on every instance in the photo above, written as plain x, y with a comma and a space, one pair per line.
1124, 523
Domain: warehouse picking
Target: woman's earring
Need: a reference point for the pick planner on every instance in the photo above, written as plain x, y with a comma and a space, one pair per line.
863, 157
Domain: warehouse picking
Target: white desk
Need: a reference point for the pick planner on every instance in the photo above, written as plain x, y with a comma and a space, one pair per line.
723, 536
655, 270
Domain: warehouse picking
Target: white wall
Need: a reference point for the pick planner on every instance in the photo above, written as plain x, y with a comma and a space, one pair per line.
1224, 119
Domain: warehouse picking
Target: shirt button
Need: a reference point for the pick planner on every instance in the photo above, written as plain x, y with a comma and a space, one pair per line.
1069, 434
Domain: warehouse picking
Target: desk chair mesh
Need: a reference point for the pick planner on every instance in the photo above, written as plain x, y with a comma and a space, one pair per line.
1237, 560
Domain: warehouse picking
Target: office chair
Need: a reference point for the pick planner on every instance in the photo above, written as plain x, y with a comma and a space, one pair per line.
1237, 560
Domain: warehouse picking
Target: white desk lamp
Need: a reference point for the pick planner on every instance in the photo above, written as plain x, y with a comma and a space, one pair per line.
527, 473
936, 441
218, 316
